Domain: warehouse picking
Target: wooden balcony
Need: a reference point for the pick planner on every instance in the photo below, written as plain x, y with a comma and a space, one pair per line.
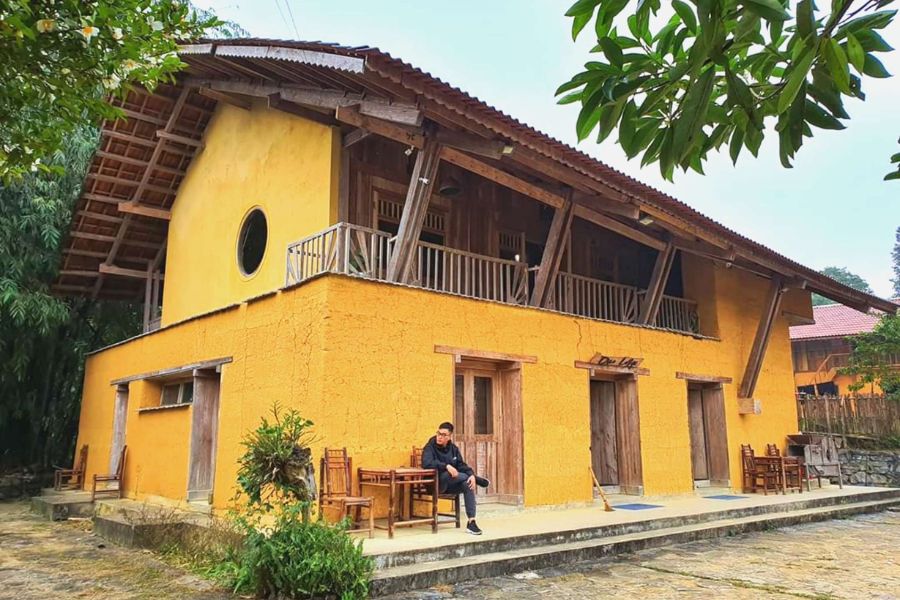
365, 252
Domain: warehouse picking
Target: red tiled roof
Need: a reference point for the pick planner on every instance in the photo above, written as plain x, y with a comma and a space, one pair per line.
835, 320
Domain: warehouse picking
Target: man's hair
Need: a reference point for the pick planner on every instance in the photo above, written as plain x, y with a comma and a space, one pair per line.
446, 425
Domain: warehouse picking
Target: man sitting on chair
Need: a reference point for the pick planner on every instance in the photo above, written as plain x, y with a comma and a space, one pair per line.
454, 475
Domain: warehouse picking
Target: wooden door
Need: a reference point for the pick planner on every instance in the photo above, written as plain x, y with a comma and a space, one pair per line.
716, 434
604, 454
699, 463
119, 421
204, 432
628, 436
477, 410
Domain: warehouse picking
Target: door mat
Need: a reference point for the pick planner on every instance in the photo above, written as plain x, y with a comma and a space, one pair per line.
636, 506
725, 497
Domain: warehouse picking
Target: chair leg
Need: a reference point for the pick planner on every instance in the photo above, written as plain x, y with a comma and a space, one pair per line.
372, 519
456, 509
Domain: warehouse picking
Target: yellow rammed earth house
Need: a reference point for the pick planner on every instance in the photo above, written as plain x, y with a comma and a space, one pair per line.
334, 230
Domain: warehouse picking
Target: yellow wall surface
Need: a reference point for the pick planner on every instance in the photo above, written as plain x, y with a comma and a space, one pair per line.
357, 357
263, 158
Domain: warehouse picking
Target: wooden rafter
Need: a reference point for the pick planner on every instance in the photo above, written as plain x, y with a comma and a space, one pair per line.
276, 102
657, 285
557, 240
414, 209
597, 218
232, 99
767, 318
145, 211
143, 184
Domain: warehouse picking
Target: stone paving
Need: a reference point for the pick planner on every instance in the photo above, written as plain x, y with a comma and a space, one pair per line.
849, 558
39, 559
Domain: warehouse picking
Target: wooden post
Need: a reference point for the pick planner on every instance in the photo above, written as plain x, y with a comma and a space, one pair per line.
414, 209
761, 341
653, 297
557, 238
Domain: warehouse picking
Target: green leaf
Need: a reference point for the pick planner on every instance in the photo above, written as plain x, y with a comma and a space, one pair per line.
570, 98
836, 59
581, 7
612, 51
892, 176
693, 114
817, 116
855, 53
687, 15
589, 115
806, 21
739, 90
608, 117
796, 78
871, 41
874, 68
627, 130
578, 23
828, 98
770, 10
877, 20
895, 158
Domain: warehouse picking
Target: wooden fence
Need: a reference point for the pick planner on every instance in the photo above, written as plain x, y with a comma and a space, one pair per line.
874, 416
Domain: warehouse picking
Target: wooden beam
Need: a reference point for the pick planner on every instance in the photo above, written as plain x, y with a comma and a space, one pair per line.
483, 354
421, 183
397, 112
589, 214
557, 240
653, 297
276, 102
178, 139
355, 136
770, 311
215, 363
225, 97
86, 253
77, 273
605, 205
702, 378
468, 142
85, 214
114, 270
101, 198
405, 135
594, 368
145, 211
501, 177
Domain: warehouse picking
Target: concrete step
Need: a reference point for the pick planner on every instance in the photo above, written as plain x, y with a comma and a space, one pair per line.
59, 506
449, 568
486, 545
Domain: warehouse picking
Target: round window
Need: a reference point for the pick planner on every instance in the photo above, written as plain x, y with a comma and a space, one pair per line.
252, 242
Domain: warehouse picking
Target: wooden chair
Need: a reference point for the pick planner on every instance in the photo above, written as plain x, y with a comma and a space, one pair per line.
335, 489
759, 472
422, 493
110, 479
71, 479
792, 467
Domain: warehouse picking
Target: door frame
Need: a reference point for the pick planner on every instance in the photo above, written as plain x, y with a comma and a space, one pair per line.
508, 488
629, 459
715, 433
204, 435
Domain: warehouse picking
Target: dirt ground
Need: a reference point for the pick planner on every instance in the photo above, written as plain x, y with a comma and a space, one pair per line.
39, 559
848, 558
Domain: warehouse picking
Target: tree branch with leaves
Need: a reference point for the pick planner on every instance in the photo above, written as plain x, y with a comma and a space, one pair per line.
722, 73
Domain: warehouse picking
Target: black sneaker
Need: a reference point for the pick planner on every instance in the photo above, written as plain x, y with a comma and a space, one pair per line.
473, 528
482, 481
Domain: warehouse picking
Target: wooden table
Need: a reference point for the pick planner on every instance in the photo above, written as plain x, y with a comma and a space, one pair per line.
396, 479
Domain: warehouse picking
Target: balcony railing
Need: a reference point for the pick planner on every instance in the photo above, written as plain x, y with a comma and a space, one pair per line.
366, 252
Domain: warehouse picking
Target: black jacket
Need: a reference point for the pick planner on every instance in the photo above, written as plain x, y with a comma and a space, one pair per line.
437, 457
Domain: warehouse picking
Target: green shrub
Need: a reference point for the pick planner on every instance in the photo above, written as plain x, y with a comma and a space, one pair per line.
300, 559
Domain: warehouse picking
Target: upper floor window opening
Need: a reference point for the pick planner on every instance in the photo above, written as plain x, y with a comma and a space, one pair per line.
252, 241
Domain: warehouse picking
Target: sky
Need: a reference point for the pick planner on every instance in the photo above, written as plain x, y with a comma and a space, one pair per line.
831, 209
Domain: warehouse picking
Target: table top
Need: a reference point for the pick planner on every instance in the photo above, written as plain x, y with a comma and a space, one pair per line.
396, 470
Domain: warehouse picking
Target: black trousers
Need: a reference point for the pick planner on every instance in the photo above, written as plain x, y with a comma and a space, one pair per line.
457, 485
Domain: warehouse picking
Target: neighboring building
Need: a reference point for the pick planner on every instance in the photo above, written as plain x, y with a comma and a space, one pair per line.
335, 230
822, 347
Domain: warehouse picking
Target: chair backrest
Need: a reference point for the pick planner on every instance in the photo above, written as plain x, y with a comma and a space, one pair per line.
120, 468
747, 456
772, 450
336, 467
415, 457
81, 461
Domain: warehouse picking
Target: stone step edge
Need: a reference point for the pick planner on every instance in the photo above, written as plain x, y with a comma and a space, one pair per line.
389, 560
422, 575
